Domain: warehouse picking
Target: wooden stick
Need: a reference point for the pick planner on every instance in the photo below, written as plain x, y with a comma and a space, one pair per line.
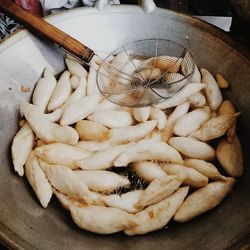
42, 28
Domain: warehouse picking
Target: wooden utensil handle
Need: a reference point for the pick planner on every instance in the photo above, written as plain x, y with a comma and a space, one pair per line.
44, 29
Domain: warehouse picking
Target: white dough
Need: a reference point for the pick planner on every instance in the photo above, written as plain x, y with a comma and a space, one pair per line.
148, 149
38, 180
44, 129
101, 180
21, 147
43, 91
80, 109
112, 118
61, 92
103, 159
61, 154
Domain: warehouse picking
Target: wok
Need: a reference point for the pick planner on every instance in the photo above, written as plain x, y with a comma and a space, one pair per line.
23, 222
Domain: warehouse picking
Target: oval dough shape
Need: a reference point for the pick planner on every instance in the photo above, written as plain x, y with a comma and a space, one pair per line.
141, 114
21, 147
197, 100
62, 154
102, 159
159, 116
230, 157
61, 92
191, 121
192, 148
205, 168
148, 171
80, 109
158, 190
43, 91
92, 131
38, 180
204, 199
182, 96
124, 201
102, 181
75, 82
45, 130
112, 118
102, 220
189, 176
131, 133
215, 127
158, 215
66, 182
76, 68
148, 150
212, 90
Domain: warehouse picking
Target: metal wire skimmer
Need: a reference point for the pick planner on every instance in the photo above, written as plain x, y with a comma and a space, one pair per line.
145, 72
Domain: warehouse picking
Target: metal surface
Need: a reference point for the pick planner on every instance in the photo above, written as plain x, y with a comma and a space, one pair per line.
223, 22
23, 223
133, 81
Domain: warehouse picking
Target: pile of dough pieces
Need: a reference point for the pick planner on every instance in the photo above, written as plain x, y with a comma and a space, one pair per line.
186, 149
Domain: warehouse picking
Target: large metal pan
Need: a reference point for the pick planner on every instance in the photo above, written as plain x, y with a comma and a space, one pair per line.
23, 223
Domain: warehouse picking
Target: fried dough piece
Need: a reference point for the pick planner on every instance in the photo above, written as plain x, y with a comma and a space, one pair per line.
124, 201
61, 93
230, 157
212, 91
191, 121
148, 171
215, 127
205, 168
67, 182
197, 100
178, 112
102, 220
92, 87
189, 176
204, 199
43, 91
76, 68
131, 133
21, 147
101, 180
67, 201
80, 109
148, 149
222, 81
75, 82
158, 215
192, 148
196, 76
38, 180
92, 131
182, 96
159, 116
102, 159
61, 154
158, 190
45, 130
141, 114
112, 118
228, 108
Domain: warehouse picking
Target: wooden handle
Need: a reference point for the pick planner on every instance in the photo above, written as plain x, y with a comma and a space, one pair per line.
42, 28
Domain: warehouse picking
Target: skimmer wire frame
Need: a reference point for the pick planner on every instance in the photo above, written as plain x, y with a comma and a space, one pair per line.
145, 72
